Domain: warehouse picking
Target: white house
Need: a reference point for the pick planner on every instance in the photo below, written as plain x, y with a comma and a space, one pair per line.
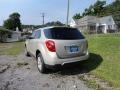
9, 35
27, 30
95, 24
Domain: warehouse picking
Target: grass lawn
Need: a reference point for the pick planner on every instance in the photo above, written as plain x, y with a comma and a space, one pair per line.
105, 57
14, 48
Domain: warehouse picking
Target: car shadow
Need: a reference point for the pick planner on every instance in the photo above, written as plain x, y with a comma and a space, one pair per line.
80, 67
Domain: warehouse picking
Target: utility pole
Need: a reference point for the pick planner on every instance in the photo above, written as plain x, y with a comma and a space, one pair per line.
43, 17
68, 9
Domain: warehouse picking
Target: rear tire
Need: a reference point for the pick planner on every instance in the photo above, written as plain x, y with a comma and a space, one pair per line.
40, 63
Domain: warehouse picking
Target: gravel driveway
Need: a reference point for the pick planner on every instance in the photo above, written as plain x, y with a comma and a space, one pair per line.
21, 73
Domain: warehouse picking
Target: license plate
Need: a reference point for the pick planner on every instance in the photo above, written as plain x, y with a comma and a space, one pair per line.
73, 49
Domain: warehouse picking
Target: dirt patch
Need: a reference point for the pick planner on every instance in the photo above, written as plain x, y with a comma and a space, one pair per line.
21, 64
3, 68
24, 75
46, 85
96, 82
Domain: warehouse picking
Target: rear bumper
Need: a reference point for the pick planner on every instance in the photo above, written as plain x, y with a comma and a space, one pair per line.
57, 66
55, 61
81, 58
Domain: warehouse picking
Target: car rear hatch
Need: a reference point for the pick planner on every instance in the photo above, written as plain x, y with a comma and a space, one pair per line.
71, 48
69, 42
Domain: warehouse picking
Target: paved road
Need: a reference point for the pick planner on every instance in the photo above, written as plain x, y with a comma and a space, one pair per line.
21, 73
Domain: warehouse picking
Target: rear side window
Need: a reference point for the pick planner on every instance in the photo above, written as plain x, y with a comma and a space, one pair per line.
37, 34
33, 34
63, 33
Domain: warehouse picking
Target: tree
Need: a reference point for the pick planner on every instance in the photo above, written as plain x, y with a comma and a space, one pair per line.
85, 12
89, 11
77, 16
13, 22
96, 9
54, 23
114, 10
8, 24
99, 7
15, 16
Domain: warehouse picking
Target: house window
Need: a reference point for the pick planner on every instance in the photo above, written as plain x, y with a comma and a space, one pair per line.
109, 26
9, 36
92, 27
110, 20
115, 26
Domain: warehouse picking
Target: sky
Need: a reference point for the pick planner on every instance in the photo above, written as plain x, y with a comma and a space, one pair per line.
30, 10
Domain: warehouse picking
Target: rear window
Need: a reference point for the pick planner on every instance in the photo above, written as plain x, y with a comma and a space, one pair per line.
63, 33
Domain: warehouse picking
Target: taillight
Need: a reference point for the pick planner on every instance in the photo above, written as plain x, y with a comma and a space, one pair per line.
50, 45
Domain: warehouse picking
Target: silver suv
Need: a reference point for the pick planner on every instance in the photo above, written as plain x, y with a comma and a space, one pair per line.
56, 46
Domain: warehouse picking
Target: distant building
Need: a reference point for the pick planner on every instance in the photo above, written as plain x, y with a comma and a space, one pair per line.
93, 24
27, 30
9, 35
